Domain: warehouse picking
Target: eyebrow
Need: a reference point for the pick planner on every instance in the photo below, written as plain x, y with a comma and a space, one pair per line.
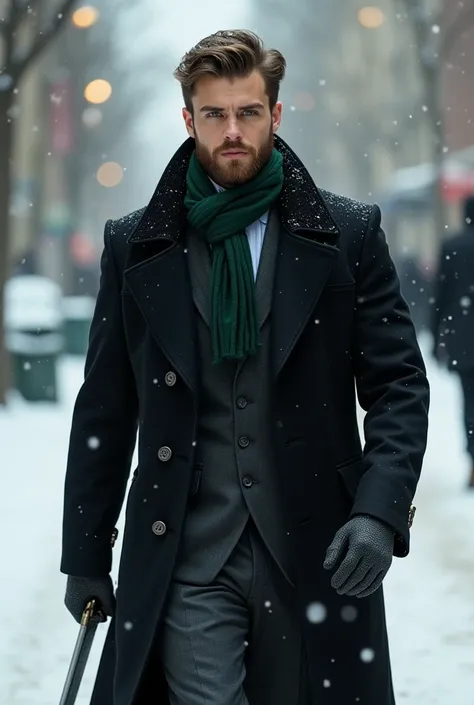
250, 106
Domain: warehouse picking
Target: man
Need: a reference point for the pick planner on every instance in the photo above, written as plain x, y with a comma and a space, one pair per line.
235, 312
452, 322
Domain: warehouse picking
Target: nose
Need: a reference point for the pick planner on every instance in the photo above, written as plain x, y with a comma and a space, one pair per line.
233, 132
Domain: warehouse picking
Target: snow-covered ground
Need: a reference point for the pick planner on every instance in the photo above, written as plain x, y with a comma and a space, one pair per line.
430, 595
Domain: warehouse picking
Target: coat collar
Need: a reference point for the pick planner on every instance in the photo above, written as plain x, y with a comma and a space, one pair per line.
307, 248
301, 206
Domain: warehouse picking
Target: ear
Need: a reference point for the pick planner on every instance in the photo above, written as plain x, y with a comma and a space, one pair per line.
276, 116
188, 121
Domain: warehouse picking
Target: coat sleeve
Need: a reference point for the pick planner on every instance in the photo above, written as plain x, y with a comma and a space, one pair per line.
103, 435
392, 388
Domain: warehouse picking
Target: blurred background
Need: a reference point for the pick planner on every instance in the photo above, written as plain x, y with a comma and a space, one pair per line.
379, 103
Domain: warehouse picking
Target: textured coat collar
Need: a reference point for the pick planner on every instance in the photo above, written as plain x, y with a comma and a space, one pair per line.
301, 206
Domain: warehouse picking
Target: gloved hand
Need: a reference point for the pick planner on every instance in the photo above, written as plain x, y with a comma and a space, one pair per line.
363, 550
80, 590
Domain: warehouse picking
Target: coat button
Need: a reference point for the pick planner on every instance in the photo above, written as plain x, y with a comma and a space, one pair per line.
242, 402
164, 454
170, 379
247, 481
244, 442
159, 528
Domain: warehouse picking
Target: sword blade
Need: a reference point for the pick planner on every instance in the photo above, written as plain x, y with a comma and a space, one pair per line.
80, 656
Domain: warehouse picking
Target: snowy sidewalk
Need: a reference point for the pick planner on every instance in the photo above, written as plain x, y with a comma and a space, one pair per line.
430, 595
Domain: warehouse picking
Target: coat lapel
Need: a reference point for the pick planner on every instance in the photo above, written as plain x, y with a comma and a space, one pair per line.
162, 290
303, 267
308, 247
199, 259
266, 268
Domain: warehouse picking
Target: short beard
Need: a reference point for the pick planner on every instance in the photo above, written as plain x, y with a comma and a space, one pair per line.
235, 173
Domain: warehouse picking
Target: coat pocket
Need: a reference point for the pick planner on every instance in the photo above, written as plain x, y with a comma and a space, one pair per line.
195, 480
343, 286
350, 471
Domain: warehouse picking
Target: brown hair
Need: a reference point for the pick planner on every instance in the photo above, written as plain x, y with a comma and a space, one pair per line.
231, 54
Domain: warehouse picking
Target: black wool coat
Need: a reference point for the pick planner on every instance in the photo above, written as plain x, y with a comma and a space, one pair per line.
339, 325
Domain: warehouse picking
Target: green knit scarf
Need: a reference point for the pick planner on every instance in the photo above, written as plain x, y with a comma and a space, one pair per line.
221, 218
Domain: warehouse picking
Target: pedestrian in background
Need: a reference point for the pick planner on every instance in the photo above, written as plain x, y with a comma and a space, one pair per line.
453, 317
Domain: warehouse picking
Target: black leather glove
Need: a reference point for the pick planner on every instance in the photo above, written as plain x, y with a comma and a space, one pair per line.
363, 551
80, 590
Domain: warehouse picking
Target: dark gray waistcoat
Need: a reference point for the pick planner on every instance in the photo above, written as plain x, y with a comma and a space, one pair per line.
235, 471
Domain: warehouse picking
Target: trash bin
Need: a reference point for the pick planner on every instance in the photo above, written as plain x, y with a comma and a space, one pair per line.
33, 321
77, 314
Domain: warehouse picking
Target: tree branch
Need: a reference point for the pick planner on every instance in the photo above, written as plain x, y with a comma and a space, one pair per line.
456, 29
9, 29
42, 39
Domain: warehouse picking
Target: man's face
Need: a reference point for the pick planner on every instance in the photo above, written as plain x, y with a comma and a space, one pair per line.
233, 127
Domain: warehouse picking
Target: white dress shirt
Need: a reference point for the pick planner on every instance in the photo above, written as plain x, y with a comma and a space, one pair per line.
255, 236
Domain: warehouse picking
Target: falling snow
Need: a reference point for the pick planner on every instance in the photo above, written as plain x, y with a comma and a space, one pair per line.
93, 442
316, 613
367, 655
349, 613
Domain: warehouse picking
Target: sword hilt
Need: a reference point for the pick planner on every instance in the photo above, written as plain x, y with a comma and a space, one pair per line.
88, 613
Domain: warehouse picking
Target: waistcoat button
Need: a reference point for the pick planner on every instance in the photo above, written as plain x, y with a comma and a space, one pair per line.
170, 379
159, 528
242, 402
164, 454
244, 442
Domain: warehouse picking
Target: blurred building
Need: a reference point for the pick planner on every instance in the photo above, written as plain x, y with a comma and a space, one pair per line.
458, 79
72, 121
28, 116
450, 46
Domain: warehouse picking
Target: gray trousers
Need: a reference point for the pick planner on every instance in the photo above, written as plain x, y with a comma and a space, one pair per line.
236, 641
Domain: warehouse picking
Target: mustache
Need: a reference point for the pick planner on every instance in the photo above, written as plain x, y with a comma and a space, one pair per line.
234, 145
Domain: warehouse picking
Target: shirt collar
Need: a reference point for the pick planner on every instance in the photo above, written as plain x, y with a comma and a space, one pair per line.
263, 218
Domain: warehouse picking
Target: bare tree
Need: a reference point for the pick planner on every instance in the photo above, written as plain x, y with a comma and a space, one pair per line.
25, 32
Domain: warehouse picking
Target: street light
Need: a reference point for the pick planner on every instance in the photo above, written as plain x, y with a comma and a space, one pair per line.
84, 17
109, 174
98, 91
370, 17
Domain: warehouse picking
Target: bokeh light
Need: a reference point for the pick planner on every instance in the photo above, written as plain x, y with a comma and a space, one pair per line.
85, 17
370, 17
109, 174
98, 91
